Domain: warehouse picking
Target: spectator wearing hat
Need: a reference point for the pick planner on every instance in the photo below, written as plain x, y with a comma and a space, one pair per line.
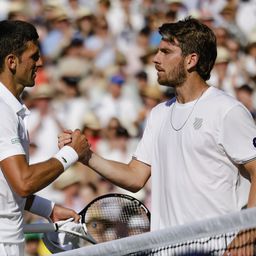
178, 7
114, 104
59, 35
223, 75
72, 105
151, 96
92, 129
68, 183
84, 24
228, 20
44, 125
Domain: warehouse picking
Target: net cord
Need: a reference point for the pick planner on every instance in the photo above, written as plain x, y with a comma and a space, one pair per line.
245, 219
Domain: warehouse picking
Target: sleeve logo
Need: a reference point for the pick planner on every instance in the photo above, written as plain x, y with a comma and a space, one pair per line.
254, 142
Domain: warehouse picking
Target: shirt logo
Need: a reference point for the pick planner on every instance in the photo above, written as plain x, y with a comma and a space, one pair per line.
15, 140
198, 123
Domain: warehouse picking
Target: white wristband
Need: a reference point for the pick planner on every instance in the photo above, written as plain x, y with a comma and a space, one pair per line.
42, 206
67, 156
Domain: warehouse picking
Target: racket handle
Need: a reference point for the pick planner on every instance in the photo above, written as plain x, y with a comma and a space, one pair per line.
40, 228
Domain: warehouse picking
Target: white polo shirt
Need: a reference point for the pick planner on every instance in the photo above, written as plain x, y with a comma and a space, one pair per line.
194, 170
13, 141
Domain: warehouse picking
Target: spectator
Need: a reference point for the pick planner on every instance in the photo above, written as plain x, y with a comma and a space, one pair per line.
115, 105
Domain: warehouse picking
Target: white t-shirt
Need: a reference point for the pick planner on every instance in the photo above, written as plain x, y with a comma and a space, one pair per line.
13, 141
193, 170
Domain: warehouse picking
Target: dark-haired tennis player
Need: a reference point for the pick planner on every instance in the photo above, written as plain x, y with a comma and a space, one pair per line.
19, 61
196, 145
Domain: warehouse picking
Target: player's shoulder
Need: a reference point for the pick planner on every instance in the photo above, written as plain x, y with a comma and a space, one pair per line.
220, 98
5, 109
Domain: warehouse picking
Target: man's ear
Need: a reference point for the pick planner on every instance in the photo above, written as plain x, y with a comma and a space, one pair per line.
192, 60
11, 61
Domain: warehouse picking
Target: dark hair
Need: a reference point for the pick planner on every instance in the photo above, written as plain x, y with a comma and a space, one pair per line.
193, 37
14, 35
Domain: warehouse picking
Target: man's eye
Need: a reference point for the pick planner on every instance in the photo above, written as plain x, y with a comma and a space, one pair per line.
36, 57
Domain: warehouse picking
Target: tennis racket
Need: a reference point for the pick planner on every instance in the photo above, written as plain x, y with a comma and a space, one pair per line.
108, 217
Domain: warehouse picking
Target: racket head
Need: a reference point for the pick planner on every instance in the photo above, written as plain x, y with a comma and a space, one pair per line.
113, 216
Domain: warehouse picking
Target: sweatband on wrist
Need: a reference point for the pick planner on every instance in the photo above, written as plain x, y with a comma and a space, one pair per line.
67, 156
42, 206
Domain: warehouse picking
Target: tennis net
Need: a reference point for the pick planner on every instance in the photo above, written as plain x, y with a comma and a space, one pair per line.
216, 236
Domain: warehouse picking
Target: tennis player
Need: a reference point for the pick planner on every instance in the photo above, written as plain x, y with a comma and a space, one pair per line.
196, 145
19, 61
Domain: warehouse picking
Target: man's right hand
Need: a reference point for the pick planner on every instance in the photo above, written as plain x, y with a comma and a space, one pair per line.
77, 141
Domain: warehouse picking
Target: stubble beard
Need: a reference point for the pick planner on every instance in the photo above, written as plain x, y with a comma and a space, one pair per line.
175, 77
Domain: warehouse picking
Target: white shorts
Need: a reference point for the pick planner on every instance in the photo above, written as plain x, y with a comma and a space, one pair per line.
12, 249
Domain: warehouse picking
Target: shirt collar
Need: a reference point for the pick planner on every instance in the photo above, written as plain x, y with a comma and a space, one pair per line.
17, 106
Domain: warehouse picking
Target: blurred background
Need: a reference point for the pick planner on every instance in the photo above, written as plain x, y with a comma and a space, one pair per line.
98, 76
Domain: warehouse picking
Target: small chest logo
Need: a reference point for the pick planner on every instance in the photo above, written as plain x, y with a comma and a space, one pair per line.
198, 123
15, 140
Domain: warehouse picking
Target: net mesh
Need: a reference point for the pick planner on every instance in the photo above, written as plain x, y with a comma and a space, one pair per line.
232, 234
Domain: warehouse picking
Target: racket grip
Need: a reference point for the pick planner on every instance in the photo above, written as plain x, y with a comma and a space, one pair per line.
40, 228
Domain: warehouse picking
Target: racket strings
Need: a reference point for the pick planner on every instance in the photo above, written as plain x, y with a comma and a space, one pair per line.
115, 217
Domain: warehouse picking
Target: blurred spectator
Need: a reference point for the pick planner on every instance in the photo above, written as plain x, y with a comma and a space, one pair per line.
129, 16
101, 45
84, 24
138, 47
119, 149
149, 67
228, 15
244, 94
223, 75
69, 184
178, 7
59, 35
32, 244
250, 59
142, 81
72, 106
92, 129
44, 125
151, 96
17, 11
108, 134
222, 35
88, 191
114, 104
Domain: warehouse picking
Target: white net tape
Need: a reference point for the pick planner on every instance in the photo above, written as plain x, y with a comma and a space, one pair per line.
213, 227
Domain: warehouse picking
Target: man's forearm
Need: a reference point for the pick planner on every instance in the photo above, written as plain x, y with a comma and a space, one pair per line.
122, 175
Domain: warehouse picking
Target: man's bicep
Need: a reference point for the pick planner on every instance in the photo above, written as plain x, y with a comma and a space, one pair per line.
12, 168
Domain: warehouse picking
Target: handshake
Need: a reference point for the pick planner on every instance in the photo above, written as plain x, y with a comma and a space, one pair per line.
78, 142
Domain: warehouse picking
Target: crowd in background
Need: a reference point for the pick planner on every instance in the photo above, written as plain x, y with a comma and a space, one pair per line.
98, 76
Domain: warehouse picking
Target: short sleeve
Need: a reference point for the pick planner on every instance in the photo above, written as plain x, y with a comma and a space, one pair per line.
10, 142
238, 134
143, 151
